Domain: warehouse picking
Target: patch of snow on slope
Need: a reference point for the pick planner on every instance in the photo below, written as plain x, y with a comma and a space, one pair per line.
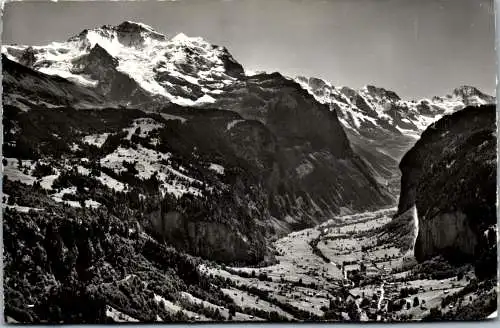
16, 173
147, 161
79, 79
409, 133
96, 139
231, 124
215, 91
378, 108
110, 182
217, 168
146, 125
118, 316
205, 99
359, 117
150, 162
422, 121
173, 117
144, 26
55, 59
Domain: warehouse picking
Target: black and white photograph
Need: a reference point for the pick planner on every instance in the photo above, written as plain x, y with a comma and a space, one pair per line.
269, 161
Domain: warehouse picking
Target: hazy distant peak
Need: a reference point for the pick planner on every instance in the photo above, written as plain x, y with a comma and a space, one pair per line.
381, 92
314, 82
128, 33
467, 91
128, 25
183, 38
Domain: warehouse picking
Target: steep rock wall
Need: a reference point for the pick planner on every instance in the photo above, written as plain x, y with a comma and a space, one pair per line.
450, 176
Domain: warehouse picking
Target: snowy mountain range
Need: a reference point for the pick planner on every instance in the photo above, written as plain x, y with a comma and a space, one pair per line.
190, 71
186, 71
374, 108
381, 126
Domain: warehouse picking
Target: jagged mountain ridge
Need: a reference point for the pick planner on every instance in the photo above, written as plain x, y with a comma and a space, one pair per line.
377, 108
191, 71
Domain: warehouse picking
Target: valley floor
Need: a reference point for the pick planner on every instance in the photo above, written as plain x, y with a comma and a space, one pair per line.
323, 269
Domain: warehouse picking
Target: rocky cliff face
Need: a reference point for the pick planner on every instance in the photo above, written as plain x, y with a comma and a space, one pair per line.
208, 239
450, 176
100, 66
318, 171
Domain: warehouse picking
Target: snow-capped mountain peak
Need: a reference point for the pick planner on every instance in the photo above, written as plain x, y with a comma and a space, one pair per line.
127, 33
183, 39
184, 70
131, 25
467, 91
471, 95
